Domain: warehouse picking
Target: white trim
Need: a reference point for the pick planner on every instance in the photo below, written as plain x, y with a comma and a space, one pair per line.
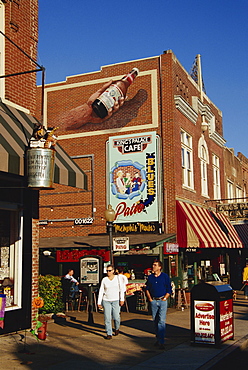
185, 108
16, 106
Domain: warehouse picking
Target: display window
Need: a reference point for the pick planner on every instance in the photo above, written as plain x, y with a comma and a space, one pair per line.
11, 257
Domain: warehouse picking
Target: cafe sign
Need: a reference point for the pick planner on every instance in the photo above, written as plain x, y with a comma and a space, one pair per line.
234, 210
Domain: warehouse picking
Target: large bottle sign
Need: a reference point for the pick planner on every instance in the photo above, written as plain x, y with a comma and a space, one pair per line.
133, 181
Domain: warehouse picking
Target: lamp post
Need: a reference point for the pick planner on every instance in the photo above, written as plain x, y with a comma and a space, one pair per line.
110, 216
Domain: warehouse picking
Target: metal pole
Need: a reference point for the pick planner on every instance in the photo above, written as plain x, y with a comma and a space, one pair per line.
111, 242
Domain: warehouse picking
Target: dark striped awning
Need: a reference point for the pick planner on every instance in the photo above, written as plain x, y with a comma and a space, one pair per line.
16, 128
200, 227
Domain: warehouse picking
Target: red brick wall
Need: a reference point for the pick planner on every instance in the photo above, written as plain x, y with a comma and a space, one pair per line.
171, 80
21, 26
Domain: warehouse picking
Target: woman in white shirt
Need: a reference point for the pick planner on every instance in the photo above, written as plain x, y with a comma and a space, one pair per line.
111, 297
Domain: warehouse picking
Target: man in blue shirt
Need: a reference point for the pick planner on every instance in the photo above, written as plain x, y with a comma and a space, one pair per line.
158, 290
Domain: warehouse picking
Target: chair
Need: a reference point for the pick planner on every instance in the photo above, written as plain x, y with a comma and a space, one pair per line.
83, 299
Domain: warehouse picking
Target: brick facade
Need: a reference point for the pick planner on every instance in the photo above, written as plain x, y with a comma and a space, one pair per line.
21, 26
150, 106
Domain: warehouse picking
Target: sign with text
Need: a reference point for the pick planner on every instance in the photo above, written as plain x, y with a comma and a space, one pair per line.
120, 244
133, 177
75, 255
139, 227
226, 320
204, 316
233, 210
171, 248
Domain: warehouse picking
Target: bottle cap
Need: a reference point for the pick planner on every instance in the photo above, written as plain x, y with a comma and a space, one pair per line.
135, 70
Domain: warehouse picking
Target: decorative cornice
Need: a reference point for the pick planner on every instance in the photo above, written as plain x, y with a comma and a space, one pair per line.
217, 138
185, 108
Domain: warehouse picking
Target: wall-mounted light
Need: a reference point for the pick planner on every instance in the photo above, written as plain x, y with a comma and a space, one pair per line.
204, 125
47, 253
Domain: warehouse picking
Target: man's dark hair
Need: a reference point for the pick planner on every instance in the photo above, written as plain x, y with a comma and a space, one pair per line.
159, 263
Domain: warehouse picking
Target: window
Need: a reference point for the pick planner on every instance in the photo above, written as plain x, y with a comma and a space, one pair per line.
239, 195
216, 176
204, 161
187, 160
230, 191
10, 257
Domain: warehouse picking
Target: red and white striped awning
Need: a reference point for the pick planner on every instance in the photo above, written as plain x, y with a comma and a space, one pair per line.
212, 229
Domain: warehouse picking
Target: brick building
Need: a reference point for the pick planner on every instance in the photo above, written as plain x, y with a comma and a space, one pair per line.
179, 160
19, 232
19, 214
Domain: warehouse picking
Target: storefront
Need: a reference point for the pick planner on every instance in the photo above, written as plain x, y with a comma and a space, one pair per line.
208, 241
19, 233
59, 254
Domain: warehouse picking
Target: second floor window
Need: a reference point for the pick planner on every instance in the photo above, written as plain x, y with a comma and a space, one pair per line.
187, 160
216, 176
204, 175
230, 195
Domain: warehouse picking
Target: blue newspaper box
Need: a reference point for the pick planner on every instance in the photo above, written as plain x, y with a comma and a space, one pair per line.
211, 313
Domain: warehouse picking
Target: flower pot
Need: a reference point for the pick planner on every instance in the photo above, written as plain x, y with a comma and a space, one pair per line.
42, 331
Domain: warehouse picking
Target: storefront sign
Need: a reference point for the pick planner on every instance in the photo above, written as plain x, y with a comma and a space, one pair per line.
139, 227
226, 320
75, 255
204, 316
133, 178
234, 210
120, 244
171, 248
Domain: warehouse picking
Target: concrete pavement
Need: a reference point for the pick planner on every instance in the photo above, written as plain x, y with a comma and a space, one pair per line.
76, 345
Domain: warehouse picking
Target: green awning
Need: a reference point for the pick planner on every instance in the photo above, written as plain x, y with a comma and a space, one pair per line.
16, 128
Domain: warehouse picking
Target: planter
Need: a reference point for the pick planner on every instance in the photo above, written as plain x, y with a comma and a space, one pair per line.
42, 331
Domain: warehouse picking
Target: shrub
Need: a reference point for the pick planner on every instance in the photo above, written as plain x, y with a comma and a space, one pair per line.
50, 289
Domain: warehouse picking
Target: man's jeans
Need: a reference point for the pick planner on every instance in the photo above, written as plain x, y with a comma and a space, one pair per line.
111, 311
159, 310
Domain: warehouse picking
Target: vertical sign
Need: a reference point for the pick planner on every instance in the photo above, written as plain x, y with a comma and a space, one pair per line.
226, 320
133, 177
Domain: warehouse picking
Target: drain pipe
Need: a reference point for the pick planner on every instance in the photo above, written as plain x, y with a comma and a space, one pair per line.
91, 156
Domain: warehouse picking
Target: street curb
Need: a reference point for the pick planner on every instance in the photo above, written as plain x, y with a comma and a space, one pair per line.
242, 343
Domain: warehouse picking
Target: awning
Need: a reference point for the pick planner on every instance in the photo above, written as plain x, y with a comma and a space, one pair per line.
16, 128
100, 240
242, 230
213, 230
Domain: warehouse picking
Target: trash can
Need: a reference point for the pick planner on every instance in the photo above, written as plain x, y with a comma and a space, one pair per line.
211, 313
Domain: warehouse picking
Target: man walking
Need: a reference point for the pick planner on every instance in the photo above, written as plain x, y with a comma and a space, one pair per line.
158, 290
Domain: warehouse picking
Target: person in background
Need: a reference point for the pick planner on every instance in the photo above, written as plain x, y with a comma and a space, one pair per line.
69, 276
122, 277
111, 297
69, 286
245, 280
158, 290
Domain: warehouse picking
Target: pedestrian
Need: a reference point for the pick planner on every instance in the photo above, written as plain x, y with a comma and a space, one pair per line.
245, 280
111, 298
69, 286
158, 290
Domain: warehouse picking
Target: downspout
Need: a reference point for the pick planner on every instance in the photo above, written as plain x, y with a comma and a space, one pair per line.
91, 156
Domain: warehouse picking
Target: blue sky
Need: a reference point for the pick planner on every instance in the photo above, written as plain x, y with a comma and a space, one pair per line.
81, 36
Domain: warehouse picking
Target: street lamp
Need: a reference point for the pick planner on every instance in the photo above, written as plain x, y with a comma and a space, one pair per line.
110, 216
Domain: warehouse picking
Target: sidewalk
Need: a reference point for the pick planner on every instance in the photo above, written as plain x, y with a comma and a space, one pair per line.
77, 345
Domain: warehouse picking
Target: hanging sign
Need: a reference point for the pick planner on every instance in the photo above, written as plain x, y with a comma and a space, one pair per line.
120, 244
